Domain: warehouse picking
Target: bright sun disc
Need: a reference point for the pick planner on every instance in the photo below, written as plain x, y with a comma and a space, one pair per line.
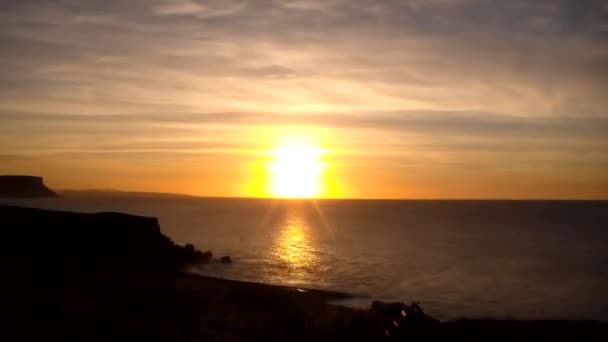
295, 171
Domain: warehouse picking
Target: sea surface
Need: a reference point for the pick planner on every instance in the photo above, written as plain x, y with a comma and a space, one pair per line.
474, 259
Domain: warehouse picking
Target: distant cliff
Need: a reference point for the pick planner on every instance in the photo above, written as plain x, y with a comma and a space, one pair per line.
24, 186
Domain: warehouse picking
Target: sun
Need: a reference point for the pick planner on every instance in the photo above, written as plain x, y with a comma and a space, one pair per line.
295, 170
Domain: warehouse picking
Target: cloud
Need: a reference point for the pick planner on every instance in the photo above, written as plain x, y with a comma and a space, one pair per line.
179, 8
439, 76
442, 123
514, 57
203, 9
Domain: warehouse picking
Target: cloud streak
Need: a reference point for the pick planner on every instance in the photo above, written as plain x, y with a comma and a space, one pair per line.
468, 72
444, 123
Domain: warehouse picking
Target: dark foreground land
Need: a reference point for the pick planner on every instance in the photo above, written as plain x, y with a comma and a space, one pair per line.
101, 277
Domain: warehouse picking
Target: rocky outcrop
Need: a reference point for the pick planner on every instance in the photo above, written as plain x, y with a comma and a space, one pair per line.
24, 186
207, 256
400, 321
56, 239
226, 259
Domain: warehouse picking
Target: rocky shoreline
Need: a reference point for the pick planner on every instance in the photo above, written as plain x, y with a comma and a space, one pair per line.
109, 276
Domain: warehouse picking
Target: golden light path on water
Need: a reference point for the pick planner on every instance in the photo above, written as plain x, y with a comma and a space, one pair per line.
294, 247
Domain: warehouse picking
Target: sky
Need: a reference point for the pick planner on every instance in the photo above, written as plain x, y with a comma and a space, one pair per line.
406, 99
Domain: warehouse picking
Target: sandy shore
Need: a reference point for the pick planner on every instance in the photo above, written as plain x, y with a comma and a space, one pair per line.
150, 306
182, 307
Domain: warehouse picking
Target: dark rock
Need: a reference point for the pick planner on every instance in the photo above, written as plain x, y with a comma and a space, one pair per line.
399, 320
24, 186
189, 248
56, 239
226, 259
207, 256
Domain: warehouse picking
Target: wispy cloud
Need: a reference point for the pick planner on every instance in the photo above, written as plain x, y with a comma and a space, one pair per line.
444, 123
515, 57
459, 70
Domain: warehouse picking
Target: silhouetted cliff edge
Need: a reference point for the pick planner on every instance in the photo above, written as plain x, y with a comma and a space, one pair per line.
56, 239
24, 186
93, 277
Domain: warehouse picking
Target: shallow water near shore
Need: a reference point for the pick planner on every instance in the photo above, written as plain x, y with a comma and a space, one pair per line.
475, 259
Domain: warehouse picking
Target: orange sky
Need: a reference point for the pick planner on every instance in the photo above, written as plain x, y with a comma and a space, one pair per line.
434, 99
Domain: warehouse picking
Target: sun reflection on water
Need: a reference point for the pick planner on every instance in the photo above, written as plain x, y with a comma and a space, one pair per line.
293, 247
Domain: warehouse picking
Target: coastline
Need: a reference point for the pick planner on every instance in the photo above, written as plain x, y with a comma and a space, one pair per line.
122, 279
325, 294
110, 305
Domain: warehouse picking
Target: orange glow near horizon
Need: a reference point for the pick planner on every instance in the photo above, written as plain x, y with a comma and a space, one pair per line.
247, 99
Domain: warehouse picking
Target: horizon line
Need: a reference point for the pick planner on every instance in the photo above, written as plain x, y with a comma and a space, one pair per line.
331, 198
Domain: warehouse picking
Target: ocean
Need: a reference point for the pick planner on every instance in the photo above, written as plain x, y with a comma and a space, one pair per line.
473, 259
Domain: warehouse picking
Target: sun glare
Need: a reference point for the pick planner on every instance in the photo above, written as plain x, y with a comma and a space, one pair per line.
295, 170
